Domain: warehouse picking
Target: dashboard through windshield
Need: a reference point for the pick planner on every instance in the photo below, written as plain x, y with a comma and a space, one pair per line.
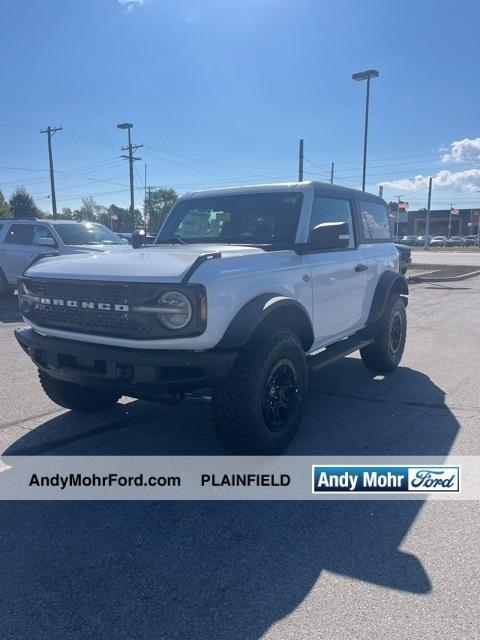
254, 218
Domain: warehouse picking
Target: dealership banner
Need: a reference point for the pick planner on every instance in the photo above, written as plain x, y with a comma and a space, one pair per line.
239, 478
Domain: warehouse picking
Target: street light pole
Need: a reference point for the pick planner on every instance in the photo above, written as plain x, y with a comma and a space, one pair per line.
131, 159
365, 75
398, 212
427, 222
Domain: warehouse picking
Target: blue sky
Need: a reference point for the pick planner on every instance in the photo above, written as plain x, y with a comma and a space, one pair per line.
220, 91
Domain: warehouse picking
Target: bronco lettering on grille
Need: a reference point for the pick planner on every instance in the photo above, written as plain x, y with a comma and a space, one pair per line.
84, 304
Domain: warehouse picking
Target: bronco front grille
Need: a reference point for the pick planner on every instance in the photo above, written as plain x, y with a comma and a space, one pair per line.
101, 308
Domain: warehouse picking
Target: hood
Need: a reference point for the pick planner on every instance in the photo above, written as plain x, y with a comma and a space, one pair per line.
158, 263
85, 248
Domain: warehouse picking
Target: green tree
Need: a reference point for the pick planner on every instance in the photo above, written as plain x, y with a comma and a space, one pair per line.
4, 207
122, 220
67, 214
87, 210
159, 203
23, 205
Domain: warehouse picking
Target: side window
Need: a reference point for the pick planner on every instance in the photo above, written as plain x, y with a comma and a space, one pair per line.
332, 210
20, 234
375, 222
41, 231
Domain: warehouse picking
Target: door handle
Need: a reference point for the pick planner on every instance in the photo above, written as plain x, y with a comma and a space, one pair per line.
361, 267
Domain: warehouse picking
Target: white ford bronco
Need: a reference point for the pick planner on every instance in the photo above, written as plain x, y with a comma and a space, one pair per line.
244, 292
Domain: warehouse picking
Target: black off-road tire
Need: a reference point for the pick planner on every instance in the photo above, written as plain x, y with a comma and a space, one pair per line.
74, 396
257, 409
385, 353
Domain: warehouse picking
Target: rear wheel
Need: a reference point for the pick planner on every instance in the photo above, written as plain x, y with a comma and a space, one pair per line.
257, 409
385, 353
74, 396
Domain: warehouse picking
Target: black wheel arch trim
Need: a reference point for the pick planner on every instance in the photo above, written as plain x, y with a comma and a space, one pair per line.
390, 282
257, 310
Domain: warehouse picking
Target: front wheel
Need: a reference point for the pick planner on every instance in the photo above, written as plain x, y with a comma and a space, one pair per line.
385, 353
257, 409
74, 396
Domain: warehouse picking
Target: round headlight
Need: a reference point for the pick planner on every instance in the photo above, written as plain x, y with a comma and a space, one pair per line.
176, 310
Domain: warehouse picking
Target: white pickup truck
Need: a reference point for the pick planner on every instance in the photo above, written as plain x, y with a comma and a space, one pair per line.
244, 292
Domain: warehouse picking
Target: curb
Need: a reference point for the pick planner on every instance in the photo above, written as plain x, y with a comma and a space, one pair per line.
427, 278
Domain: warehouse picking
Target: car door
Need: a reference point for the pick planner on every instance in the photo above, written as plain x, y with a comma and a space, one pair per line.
338, 276
20, 248
376, 244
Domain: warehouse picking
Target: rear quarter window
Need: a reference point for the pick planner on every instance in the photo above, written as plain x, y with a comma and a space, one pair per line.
374, 221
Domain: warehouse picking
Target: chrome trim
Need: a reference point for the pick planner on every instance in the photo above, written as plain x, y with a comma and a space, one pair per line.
157, 310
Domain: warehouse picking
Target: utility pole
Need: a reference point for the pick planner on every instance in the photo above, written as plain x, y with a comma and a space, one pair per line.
50, 131
300, 161
145, 203
398, 212
149, 201
427, 221
332, 172
131, 159
380, 190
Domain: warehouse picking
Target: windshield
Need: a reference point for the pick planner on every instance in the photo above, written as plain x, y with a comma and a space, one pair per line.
253, 218
86, 233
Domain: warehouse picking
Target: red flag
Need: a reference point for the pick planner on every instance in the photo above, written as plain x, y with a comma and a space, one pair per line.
455, 212
404, 205
114, 216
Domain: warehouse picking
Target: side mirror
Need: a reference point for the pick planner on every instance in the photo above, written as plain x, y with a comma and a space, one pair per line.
138, 239
46, 242
330, 235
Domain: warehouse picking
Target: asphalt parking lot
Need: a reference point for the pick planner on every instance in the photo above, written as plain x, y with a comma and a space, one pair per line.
346, 570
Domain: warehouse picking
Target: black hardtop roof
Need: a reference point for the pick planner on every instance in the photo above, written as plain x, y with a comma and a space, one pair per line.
325, 188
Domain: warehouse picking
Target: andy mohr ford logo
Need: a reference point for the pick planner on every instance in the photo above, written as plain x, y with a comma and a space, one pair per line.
384, 479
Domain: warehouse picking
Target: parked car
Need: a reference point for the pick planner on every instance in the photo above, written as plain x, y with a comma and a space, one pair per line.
420, 242
470, 241
405, 254
25, 241
438, 241
137, 238
455, 241
410, 241
244, 291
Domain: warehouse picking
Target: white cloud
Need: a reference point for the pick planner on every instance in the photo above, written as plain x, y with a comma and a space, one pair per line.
457, 180
466, 150
129, 4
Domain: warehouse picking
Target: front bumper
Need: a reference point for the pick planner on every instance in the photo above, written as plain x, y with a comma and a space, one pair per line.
138, 373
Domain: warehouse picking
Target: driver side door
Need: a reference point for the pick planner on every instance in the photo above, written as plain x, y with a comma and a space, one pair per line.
338, 275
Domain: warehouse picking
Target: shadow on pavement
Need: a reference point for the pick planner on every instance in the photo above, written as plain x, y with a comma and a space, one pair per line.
9, 310
214, 569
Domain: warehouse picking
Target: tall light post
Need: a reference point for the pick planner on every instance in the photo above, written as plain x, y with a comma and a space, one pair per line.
398, 212
365, 75
131, 147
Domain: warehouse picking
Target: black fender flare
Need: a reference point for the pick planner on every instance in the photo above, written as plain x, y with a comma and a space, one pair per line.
390, 282
258, 310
